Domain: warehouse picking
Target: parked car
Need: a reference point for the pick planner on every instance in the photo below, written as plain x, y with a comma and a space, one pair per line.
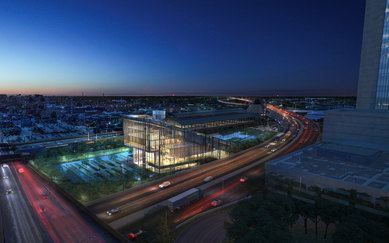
164, 184
243, 179
267, 146
9, 191
273, 150
112, 211
208, 178
216, 203
21, 170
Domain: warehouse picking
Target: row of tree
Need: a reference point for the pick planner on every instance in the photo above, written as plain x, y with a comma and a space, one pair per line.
270, 218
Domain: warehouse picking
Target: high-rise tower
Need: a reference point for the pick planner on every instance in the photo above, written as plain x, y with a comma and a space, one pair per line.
367, 126
373, 83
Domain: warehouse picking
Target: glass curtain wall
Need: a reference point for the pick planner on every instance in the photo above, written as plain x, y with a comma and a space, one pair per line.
161, 148
382, 97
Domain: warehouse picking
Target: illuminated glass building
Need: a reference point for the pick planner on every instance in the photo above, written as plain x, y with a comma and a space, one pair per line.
176, 143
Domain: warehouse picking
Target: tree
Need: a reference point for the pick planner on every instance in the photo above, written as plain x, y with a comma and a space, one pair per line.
263, 218
328, 213
315, 213
304, 209
358, 228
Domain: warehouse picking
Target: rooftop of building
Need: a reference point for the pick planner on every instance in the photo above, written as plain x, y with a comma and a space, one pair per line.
365, 167
207, 113
359, 111
212, 118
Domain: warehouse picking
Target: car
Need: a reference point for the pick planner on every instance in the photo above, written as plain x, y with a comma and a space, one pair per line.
5, 166
5, 177
112, 211
243, 179
9, 191
21, 170
42, 209
208, 178
273, 150
135, 234
164, 184
44, 196
216, 203
283, 140
267, 146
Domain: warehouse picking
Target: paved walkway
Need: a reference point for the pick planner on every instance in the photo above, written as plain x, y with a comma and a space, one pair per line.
205, 230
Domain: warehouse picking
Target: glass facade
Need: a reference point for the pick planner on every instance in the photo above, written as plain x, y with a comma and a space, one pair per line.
382, 96
161, 148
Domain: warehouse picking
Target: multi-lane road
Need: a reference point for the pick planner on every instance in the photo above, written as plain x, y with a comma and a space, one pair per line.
301, 132
20, 222
36, 212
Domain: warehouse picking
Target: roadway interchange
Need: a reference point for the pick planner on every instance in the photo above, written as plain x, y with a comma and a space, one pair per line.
299, 132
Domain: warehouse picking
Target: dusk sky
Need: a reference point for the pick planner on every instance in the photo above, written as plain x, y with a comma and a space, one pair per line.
303, 47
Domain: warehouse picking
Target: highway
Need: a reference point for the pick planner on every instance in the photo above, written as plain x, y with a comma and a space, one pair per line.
63, 221
136, 199
20, 222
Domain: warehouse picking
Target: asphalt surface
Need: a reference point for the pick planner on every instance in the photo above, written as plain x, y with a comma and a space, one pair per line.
137, 199
63, 220
28, 216
205, 230
20, 222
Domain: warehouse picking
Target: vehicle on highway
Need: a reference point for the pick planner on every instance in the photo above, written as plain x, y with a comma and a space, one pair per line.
164, 184
267, 145
182, 199
44, 196
216, 203
9, 191
5, 177
42, 209
273, 150
208, 178
134, 234
243, 179
21, 170
5, 166
112, 211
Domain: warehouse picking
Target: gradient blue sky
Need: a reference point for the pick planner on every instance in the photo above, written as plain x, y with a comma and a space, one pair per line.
182, 47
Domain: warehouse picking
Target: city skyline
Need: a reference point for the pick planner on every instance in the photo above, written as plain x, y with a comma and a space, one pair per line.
182, 48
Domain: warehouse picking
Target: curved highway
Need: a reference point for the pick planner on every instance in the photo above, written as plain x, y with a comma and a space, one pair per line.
301, 132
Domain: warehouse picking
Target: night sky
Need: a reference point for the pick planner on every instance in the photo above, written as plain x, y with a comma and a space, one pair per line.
301, 47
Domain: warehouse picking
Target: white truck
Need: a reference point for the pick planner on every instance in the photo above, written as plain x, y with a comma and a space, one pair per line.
184, 198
